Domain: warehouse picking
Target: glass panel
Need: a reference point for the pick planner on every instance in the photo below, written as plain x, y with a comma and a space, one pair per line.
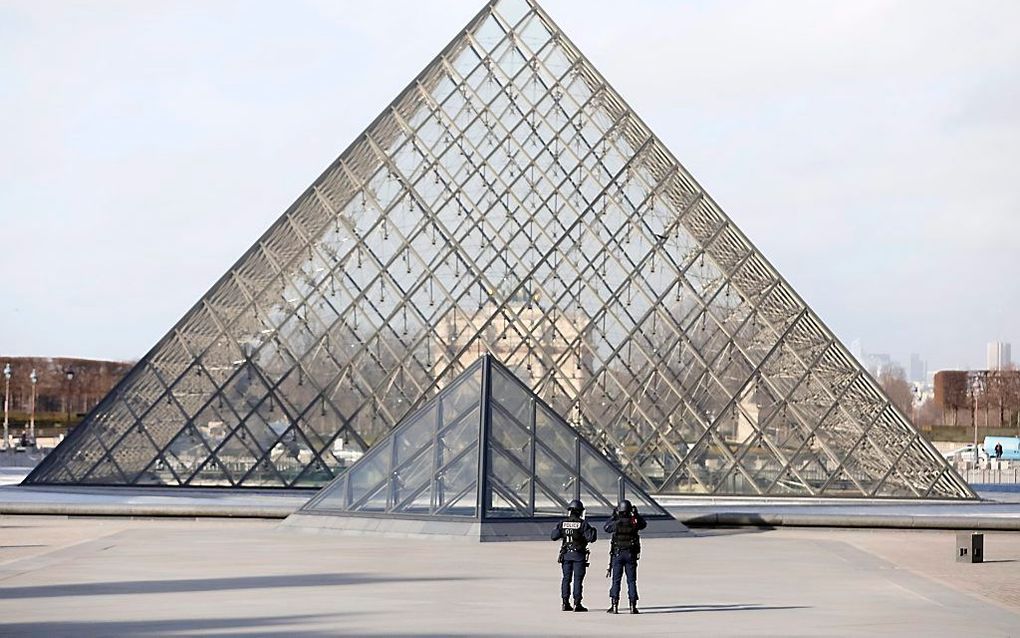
462, 396
552, 433
186, 452
377, 502
510, 486
546, 504
156, 474
600, 476
596, 506
644, 505
212, 473
420, 504
465, 504
133, 451
334, 497
105, 472
511, 437
414, 475
373, 469
455, 479
263, 475
509, 394
416, 434
554, 476
291, 455
458, 437
314, 475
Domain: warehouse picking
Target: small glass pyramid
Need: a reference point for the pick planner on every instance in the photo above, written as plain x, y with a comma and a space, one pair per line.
486, 428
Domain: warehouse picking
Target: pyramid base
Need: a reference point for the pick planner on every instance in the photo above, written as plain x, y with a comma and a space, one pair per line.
472, 530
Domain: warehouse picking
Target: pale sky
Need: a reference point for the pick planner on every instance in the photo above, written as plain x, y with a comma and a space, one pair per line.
871, 150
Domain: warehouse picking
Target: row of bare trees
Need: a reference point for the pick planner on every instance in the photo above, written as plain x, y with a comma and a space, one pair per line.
62, 384
989, 398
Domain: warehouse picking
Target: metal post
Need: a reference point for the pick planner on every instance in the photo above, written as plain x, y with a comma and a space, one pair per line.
69, 375
973, 417
31, 419
7, 401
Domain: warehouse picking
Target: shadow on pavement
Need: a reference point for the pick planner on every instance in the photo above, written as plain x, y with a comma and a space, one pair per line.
272, 626
730, 531
117, 588
683, 609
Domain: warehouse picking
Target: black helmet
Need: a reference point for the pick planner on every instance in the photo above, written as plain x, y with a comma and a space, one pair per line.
624, 507
575, 506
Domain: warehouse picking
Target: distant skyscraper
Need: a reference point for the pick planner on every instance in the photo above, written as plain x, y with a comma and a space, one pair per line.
918, 368
998, 356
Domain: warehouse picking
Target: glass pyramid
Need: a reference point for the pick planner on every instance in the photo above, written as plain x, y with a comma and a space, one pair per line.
486, 428
509, 201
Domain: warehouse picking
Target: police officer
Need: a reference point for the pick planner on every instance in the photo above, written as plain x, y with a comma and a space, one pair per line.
576, 534
624, 553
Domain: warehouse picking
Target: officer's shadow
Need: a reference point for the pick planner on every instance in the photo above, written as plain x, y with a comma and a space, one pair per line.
683, 609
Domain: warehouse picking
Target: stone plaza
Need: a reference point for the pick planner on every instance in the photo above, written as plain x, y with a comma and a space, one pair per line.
176, 577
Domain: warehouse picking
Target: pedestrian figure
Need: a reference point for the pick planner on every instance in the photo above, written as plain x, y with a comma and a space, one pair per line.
576, 534
998, 451
624, 553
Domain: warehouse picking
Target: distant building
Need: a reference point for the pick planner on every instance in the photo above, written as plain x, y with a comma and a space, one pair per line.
918, 369
536, 344
998, 356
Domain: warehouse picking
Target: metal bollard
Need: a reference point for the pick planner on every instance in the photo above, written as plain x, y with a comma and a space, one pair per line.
970, 547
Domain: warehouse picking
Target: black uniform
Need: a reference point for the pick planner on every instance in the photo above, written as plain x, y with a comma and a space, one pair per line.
576, 534
625, 552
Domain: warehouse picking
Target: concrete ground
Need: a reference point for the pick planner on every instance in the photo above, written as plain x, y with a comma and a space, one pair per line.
115, 577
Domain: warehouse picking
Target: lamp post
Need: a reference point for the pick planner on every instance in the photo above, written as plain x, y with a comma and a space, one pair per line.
69, 375
31, 419
7, 401
975, 390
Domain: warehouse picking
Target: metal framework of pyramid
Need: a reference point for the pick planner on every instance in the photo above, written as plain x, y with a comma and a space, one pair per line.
485, 451
507, 201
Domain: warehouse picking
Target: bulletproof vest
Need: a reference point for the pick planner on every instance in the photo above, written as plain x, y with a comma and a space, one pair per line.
625, 534
573, 535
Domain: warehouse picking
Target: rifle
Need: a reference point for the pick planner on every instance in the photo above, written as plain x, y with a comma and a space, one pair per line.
609, 567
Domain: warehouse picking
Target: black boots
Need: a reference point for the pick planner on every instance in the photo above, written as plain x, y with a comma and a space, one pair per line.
579, 607
633, 607
614, 606
566, 605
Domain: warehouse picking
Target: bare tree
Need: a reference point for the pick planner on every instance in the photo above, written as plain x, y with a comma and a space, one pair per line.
928, 414
894, 381
1010, 391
